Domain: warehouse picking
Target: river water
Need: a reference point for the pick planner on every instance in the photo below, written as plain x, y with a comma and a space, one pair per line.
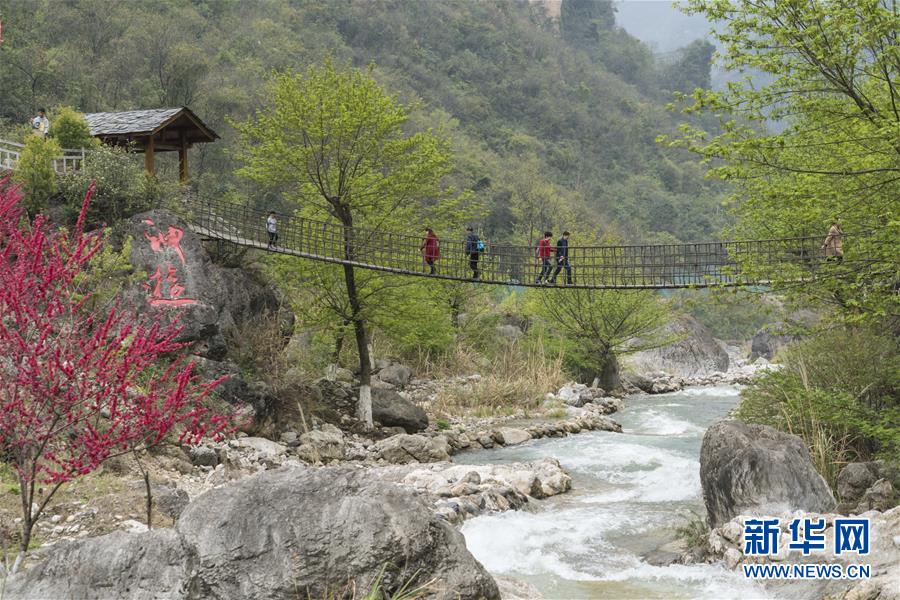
629, 492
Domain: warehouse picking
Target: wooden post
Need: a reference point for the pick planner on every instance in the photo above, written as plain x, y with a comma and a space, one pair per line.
150, 157
183, 159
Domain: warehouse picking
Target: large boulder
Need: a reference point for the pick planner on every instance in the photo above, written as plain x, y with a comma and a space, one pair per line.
696, 353
184, 285
756, 470
395, 374
768, 340
278, 535
393, 410
855, 478
403, 448
322, 445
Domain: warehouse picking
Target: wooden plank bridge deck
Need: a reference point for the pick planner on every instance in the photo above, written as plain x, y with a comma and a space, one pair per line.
649, 266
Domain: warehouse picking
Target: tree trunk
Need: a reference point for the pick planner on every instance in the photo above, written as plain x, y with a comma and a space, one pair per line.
609, 373
364, 406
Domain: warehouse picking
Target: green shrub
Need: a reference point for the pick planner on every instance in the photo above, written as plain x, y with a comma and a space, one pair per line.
70, 129
123, 187
35, 171
839, 391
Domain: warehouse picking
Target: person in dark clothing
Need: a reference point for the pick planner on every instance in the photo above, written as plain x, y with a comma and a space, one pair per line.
473, 252
562, 258
544, 252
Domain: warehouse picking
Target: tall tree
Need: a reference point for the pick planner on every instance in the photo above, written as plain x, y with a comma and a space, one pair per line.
335, 141
834, 90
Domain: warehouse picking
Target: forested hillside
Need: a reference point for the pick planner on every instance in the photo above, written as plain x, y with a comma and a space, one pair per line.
553, 121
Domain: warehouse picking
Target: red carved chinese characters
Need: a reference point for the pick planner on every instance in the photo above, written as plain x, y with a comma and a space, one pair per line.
166, 291
170, 239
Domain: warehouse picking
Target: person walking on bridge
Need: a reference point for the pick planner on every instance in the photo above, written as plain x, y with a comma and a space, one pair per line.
430, 249
473, 249
834, 244
41, 124
562, 258
272, 230
544, 251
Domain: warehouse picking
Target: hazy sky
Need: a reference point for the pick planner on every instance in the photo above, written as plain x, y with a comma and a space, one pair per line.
660, 24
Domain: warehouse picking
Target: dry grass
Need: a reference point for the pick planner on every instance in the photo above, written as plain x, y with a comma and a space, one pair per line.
516, 379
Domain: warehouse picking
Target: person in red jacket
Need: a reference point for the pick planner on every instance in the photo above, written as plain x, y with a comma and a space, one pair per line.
544, 252
430, 249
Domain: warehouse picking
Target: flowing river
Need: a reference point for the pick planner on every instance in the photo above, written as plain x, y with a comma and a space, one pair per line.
629, 492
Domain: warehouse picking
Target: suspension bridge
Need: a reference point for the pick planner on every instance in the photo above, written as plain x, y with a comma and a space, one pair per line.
647, 266
642, 266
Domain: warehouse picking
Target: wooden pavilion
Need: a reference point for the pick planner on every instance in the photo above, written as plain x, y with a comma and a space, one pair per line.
152, 131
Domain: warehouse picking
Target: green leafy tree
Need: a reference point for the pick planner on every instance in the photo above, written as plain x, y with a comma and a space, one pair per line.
71, 129
35, 170
596, 327
834, 90
334, 141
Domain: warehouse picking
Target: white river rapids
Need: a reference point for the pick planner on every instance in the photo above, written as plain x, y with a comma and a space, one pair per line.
629, 492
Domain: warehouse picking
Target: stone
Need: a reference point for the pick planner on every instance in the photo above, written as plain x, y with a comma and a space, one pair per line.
171, 501
464, 489
756, 470
402, 449
731, 531
732, 558
880, 496
393, 410
571, 393
215, 298
696, 354
289, 439
472, 477
203, 456
855, 478
245, 540
337, 373
486, 441
665, 386
322, 445
508, 332
511, 436
395, 374
768, 340
263, 448
638, 381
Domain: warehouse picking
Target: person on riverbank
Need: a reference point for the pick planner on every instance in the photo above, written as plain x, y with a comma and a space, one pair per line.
834, 244
473, 252
272, 230
544, 252
41, 124
562, 259
430, 249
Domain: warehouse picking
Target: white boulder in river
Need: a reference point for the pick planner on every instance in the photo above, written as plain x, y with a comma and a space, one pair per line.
283, 534
756, 470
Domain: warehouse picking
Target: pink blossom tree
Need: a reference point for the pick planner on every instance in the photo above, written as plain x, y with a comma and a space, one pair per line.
79, 386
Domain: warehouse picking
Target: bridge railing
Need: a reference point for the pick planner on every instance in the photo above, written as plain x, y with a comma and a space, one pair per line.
704, 264
70, 160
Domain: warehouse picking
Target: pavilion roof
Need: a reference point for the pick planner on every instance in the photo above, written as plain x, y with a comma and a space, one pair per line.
139, 123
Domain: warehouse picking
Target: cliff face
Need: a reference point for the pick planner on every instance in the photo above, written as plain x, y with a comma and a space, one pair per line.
696, 353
